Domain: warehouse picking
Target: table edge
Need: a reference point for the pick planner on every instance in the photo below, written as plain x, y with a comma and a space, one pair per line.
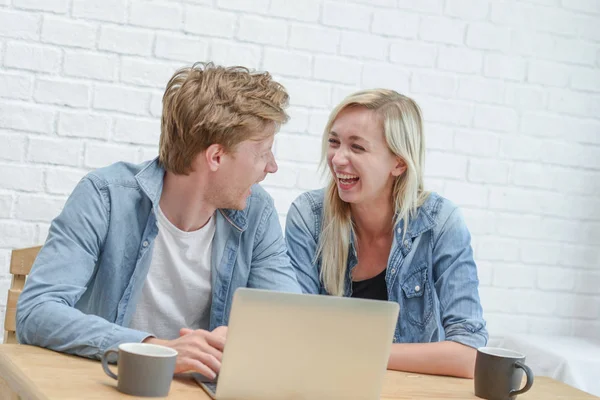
17, 380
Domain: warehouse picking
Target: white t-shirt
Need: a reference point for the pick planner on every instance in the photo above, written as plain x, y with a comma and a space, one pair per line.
177, 291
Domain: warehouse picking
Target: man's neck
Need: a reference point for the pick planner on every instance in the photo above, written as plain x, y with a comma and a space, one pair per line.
184, 201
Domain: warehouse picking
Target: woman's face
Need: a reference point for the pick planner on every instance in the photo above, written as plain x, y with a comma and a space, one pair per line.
362, 165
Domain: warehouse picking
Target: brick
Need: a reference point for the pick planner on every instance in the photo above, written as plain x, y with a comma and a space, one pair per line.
16, 234
41, 232
548, 73
32, 57
228, 53
572, 155
498, 249
395, 23
582, 5
123, 40
488, 37
26, 118
586, 79
307, 93
16, 86
532, 175
521, 148
413, 53
571, 307
310, 179
519, 226
515, 199
423, 6
467, 9
544, 19
33, 207
53, 151
466, 194
21, 177
298, 148
147, 153
576, 182
90, 65
289, 63
588, 28
587, 282
156, 105
485, 273
146, 73
19, 25
285, 177
438, 136
340, 92
381, 3
434, 185
256, 6
102, 154
156, 15
505, 67
307, 10
574, 51
313, 38
587, 329
336, 69
476, 142
385, 75
60, 92
494, 118
514, 276
57, 6
481, 90
60, 180
460, 60
116, 98
137, 130
479, 222
363, 45
435, 83
317, 122
539, 253
446, 111
550, 326
283, 198
106, 10
525, 97
443, 165
347, 15
442, 30
5, 205
83, 124
66, 32
299, 118
488, 172
528, 43
561, 230
180, 47
569, 102
262, 30
502, 324
13, 146
205, 21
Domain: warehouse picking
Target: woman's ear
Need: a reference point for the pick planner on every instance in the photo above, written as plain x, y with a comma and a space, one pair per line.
399, 168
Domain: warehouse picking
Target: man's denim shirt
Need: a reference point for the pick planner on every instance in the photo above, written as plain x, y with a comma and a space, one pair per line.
430, 271
85, 283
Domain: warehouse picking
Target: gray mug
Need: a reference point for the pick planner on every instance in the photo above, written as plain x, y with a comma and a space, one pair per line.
144, 369
499, 372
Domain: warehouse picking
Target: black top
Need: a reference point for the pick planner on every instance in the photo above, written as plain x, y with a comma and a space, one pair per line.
373, 288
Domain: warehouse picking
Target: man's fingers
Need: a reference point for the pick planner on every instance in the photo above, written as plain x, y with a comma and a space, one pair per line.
189, 364
215, 340
185, 331
209, 360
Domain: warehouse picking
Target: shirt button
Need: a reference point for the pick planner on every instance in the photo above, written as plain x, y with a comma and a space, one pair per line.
399, 230
406, 243
393, 270
417, 288
145, 244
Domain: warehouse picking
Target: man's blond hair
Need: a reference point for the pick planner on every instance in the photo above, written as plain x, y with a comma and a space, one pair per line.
208, 104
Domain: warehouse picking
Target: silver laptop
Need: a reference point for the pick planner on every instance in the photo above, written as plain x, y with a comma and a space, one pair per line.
298, 346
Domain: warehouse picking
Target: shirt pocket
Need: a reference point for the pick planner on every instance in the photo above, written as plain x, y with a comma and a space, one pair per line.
418, 299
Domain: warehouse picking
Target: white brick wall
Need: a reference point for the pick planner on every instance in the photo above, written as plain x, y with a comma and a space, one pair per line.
510, 91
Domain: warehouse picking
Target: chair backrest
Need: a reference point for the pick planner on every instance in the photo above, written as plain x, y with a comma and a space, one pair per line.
21, 261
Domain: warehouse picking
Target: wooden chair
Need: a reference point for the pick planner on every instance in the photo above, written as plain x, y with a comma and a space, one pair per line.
21, 261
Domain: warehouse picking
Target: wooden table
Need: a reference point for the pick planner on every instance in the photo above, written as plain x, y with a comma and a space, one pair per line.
36, 374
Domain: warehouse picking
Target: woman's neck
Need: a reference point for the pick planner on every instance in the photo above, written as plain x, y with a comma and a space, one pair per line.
373, 220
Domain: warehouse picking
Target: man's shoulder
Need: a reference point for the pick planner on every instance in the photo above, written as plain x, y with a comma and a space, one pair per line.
120, 173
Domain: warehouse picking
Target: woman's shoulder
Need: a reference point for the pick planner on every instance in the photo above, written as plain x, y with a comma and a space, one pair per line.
441, 213
310, 202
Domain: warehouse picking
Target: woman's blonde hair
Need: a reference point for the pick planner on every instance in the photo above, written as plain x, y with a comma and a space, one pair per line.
208, 104
403, 131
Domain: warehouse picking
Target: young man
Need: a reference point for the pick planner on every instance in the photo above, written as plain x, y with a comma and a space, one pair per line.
154, 252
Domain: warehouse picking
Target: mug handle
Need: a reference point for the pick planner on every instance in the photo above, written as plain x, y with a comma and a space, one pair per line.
105, 363
528, 384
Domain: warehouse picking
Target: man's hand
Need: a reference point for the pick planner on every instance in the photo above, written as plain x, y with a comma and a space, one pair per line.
198, 350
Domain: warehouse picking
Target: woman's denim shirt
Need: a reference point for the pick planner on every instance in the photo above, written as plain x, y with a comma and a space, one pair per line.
430, 272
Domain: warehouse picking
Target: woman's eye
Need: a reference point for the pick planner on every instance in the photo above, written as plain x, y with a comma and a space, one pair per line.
334, 141
357, 147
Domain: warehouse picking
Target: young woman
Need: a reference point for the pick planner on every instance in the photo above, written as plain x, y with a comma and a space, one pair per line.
374, 232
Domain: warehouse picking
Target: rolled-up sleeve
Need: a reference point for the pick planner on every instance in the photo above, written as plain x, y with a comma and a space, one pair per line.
457, 284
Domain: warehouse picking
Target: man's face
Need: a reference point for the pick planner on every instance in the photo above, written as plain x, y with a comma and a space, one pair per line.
247, 164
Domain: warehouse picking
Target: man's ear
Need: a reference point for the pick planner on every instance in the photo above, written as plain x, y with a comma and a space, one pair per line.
399, 168
214, 156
